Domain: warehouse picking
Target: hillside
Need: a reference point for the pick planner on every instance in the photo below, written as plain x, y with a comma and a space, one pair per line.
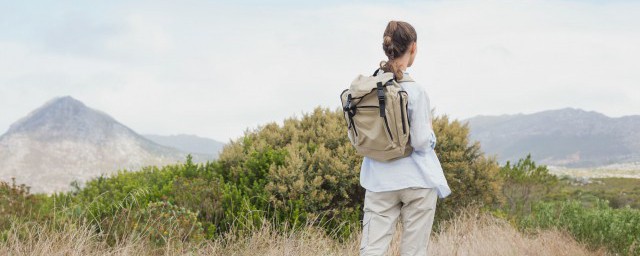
302, 176
64, 140
566, 137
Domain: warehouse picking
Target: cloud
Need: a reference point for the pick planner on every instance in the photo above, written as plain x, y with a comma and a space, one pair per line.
214, 69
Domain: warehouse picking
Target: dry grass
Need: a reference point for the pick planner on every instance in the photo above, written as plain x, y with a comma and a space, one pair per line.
469, 234
482, 234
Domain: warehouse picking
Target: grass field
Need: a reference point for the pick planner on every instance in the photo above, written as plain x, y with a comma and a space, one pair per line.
617, 171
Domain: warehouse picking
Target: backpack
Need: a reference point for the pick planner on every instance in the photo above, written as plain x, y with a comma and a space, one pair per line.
375, 109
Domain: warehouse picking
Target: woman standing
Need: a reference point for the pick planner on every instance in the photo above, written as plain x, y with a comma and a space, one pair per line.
407, 187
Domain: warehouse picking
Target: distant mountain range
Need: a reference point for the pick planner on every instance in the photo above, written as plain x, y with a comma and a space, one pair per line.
566, 137
64, 140
188, 143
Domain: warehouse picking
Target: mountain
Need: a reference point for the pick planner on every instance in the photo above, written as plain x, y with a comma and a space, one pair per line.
189, 143
567, 137
64, 140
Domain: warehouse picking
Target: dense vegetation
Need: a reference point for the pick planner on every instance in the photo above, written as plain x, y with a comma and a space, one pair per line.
537, 199
305, 171
599, 226
619, 192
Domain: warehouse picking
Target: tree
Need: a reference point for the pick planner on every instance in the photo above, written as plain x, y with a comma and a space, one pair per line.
525, 182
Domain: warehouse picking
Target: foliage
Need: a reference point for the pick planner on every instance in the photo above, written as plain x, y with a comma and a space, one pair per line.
620, 192
200, 195
305, 169
17, 203
163, 221
473, 178
617, 229
524, 183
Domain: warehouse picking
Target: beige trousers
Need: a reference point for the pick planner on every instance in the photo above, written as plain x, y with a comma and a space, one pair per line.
416, 206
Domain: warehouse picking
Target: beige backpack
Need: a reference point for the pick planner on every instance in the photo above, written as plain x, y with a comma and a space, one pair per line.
375, 108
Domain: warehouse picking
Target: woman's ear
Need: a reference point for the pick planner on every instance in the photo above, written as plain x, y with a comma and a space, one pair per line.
412, 53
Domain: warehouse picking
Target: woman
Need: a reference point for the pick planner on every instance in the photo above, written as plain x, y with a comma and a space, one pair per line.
405, 187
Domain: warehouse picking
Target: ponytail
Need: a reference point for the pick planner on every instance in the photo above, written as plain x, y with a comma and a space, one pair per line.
388, 66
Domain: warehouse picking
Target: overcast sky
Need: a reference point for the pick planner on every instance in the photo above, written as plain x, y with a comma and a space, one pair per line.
215, 69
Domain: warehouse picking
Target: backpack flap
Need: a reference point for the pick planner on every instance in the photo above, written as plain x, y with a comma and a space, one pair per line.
365, 84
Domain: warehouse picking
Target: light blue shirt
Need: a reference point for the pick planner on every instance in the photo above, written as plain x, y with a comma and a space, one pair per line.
419, 170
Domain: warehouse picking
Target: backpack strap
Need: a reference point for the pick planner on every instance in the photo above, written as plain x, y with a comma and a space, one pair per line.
405, 77
381, 99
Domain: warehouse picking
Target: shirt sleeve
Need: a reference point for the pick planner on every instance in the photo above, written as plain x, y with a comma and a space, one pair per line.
422, 136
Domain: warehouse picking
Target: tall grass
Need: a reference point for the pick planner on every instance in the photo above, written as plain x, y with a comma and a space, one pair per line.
474, 233
470, 233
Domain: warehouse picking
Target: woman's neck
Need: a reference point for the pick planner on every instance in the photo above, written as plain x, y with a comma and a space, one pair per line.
403, 62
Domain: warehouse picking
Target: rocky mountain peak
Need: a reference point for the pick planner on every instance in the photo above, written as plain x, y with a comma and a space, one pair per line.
67, 118
64, 140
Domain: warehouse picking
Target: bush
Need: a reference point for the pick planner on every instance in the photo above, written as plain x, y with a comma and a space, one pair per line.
525, 182
601, 226
162, 222
307, 168
202, 196
473, 178
17, 202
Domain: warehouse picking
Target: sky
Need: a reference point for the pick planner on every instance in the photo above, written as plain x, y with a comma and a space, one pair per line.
215, 68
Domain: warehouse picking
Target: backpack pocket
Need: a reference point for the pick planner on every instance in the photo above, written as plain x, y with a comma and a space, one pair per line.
373, 132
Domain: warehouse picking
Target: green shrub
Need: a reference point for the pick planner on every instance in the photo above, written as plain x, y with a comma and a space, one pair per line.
162, 222
203, 196
307, 169
601, 226
525, 182
620, 192
473, 178
104, 196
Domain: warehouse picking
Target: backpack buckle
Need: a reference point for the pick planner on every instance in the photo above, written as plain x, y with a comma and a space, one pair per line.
351, 110
380, 92
347, 106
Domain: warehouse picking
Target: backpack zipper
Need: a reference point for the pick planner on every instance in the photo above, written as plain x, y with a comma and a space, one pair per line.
404, 129
387, 125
